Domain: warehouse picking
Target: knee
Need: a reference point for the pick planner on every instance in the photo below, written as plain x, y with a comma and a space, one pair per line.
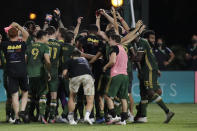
150, 94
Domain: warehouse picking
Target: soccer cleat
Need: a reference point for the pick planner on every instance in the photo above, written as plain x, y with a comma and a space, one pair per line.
24, 116
101, 120
88, 120
169, 117
42, 120
92, 120
61, 119
81, 121
52, 121
17, 121
113, 120
11, 120
141, 120
131, 119
72, 122
121, 123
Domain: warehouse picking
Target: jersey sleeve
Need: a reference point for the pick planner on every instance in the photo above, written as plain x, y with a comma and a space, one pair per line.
46, 50
114, 49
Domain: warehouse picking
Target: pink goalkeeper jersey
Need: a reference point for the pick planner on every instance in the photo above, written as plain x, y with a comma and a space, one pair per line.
120, 67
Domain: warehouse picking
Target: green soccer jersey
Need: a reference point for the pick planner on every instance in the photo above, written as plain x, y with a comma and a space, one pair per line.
149, 62
30, 40
55, 48
106, 53
66, 52
35, 59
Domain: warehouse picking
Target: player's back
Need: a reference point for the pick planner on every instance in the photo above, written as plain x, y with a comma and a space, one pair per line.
35, 59
66, 52
55, 48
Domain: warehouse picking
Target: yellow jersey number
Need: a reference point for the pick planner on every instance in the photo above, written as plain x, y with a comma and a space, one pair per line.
35, 53
54, 52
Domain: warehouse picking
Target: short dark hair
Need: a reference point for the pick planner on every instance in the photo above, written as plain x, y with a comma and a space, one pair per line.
40, 34
68, 36
147, 33
30, 23
13, 32
92, 28
110, 32
63, 32
51, 30
83, 31
161, 38
116, 38
76, 53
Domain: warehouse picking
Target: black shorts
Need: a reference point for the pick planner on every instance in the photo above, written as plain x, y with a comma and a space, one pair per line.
13, 84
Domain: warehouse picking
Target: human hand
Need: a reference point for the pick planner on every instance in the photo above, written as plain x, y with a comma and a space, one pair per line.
79, 20
139, 24
166, 63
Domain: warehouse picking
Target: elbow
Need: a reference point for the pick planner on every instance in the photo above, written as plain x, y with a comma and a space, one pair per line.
113, 63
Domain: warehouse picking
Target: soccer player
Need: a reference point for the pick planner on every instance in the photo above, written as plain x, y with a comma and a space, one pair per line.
66, 38
92, 44
31, 28
54, 47
120, 81
79, 73
38, 58
149, 86
14, 52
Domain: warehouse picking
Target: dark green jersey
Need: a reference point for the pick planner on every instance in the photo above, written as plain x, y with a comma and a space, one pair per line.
30, 40
35, 59
106, 53
55, 48
66, 52
149, 62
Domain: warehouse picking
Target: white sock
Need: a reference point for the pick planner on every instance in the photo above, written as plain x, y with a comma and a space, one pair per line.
70, 116
87, 115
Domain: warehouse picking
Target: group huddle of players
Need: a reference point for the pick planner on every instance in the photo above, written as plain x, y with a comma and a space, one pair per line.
91, 68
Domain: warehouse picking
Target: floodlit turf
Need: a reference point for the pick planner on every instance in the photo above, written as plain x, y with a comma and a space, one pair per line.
184, 120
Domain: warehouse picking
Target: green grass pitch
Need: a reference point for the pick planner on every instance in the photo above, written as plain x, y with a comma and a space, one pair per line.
185, 119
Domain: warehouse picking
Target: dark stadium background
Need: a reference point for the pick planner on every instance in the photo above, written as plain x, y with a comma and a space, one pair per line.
174, 19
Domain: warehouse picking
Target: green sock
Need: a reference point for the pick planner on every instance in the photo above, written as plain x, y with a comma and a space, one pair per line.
42, 106
65, 111
144, 104
160, 102
53, 105
101, 113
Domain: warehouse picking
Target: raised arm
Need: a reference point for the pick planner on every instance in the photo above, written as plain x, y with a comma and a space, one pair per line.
115, 21
123, 22
98, 20
23, 31
132, 33
76, 30
57, 16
